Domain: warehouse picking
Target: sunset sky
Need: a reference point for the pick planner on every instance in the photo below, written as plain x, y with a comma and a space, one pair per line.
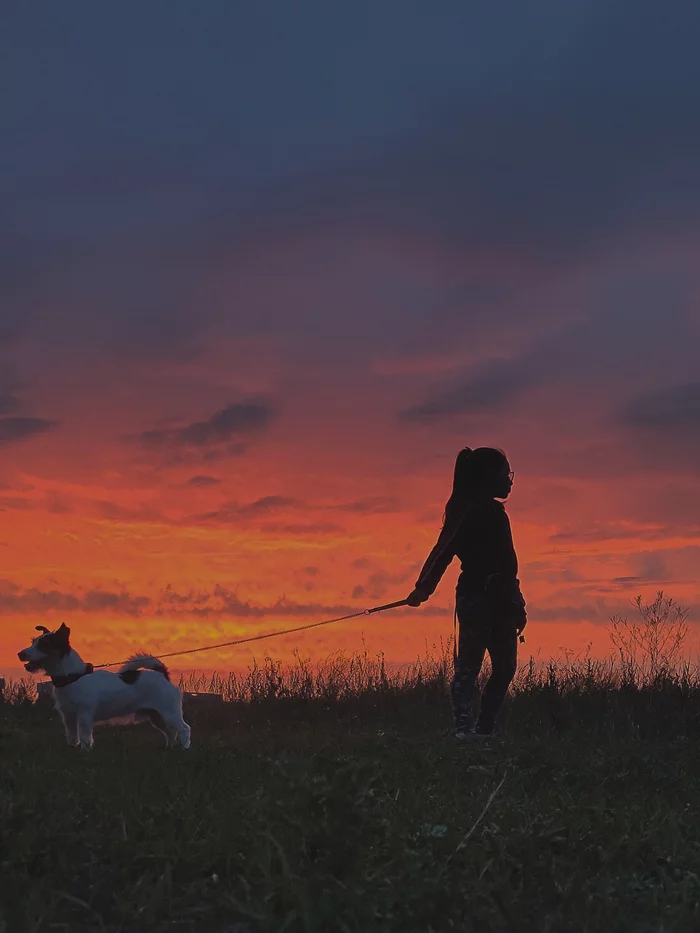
266, 267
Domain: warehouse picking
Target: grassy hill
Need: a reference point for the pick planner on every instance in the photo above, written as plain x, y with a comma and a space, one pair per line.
338, 800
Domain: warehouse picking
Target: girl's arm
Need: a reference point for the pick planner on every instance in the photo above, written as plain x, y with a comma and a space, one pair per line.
437, 563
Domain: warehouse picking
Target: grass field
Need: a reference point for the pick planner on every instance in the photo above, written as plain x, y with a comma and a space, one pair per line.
340, 801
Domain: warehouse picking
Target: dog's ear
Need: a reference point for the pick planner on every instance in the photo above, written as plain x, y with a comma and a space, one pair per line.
42, 629
63, 633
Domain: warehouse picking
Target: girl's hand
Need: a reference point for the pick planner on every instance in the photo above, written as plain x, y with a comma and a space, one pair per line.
416, 597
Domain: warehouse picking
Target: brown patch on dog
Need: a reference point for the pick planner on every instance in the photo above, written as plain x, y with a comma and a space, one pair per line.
52, 645
147, 662
130, 677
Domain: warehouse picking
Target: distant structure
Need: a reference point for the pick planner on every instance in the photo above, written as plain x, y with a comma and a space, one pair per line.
44, 693
195, 700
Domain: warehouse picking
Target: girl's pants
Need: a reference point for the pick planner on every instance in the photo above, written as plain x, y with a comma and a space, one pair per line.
482, 629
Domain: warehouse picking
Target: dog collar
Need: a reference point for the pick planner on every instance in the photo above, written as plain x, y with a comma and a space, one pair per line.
65, 679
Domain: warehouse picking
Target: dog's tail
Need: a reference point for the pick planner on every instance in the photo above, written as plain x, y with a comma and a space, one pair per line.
146, 661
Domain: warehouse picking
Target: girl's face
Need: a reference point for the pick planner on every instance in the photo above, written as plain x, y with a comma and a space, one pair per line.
503, 482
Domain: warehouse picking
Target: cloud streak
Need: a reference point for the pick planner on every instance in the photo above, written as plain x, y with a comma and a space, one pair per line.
16, 600
497, 385
203, 480
372, 505
8, 400
239, 419
219, 602
16, 428
671, 411
234, 512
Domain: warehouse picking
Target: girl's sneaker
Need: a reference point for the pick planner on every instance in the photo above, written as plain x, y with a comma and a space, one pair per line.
464, 725
463, 735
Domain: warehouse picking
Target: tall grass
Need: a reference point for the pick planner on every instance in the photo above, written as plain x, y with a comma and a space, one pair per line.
339, 677
560, 694
333, 797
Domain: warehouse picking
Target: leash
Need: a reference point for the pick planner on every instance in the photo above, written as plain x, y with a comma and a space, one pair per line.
243, 641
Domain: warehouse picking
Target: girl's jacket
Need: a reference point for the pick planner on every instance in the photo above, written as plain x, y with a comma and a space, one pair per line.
480, 536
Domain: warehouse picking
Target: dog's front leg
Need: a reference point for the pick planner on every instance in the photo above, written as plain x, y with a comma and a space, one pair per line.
85, 730
70, 723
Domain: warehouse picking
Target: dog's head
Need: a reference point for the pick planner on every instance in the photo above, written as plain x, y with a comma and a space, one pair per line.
45, 648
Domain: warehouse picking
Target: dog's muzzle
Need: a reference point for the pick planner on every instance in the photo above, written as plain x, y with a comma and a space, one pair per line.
31, 667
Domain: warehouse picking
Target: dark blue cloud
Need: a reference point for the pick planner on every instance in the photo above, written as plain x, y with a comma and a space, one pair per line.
33, 601
202, 479
636, 328
597, 136
373, 505
150, 142
234, 512
667, 411
18, 429
239, 419
495, 386
8, 401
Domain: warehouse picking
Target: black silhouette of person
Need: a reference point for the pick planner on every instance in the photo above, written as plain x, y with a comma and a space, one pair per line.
489, 605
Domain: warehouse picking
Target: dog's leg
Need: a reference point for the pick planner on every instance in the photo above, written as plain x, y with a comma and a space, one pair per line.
172, 736
85, 730
70, 723
174, 721
183, 732
157, 721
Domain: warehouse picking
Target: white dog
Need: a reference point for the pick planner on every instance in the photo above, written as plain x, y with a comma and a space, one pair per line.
85, 697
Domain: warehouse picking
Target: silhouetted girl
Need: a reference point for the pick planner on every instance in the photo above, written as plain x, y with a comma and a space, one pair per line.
489, 605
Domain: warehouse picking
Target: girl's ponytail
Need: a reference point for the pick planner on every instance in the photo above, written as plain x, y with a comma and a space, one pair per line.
460, 482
